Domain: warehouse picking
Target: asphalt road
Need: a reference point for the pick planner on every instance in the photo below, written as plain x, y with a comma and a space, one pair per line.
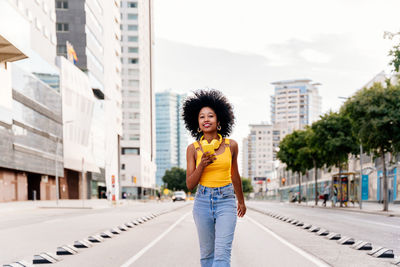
171, 239
378, 229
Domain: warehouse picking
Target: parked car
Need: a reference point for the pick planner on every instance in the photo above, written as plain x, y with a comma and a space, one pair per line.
179, 195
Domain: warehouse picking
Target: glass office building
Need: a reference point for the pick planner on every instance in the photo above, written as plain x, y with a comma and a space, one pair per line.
171, 135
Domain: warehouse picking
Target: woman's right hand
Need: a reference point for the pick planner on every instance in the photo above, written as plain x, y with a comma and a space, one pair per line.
207, 159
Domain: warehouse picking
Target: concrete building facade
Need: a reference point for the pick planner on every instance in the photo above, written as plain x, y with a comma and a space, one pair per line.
138, 144
30, 120
92, 27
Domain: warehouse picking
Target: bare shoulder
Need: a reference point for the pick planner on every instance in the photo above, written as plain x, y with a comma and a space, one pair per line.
233, 143
190, 148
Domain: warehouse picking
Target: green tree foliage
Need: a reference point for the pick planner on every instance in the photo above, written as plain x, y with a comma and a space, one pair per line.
395, 54
175, 179
246, 185
335, 138
288, 153
314, 153
375, 116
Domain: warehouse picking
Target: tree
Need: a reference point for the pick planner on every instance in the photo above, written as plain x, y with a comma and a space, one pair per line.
313, 151
246, 185
175, 179
375, 117
336, 141
288, 153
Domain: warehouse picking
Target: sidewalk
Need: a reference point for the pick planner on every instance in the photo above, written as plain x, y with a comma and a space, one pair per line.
62, 204
367, 207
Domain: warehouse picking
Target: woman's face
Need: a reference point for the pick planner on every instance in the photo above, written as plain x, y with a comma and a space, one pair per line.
208, 120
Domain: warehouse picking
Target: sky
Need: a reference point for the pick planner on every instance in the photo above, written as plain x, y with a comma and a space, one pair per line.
240, 47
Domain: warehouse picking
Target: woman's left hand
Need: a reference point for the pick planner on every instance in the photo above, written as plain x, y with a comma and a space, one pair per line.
241, 209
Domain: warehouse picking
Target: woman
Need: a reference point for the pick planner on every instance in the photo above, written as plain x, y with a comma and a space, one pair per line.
209, 118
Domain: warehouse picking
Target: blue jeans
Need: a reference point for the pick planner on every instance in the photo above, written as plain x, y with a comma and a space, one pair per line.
215, 215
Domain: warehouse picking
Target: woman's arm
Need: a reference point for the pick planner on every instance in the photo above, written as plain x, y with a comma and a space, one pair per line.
193, 174
237, 182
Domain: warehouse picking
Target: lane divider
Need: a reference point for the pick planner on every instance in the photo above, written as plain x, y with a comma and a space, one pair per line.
378, 252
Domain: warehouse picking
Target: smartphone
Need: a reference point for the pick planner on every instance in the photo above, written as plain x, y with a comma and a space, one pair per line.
208, 148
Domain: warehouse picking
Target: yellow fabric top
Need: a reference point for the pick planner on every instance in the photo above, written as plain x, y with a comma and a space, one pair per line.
218, 173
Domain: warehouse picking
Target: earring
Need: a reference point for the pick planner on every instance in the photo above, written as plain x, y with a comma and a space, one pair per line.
219, 128
198, 130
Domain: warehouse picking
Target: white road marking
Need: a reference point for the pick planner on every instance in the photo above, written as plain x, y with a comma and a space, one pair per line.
303, 253
155, 241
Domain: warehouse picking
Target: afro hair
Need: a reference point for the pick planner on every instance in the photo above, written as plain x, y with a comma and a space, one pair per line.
208, 98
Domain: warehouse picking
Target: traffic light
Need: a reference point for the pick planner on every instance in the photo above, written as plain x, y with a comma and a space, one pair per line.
283, 181
268, 180
134, 179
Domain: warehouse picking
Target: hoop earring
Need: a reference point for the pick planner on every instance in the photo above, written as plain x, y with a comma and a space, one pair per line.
219, 127
198, 130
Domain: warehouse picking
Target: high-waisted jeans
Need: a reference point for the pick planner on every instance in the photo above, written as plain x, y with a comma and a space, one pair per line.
215, 215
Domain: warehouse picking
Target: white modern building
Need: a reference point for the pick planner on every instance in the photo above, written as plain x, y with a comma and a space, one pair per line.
92, 27
30, 102
258, 158
138, 144
295, 104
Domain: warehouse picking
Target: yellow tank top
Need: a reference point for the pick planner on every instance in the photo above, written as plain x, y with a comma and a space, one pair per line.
218, 173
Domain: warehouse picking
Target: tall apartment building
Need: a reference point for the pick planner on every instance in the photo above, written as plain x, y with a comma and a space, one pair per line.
295, 104
138, 144
171, 136
258, 162
93, 29
30, 109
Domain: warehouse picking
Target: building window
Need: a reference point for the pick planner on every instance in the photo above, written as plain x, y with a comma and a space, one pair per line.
132, 38
133, 49
130, 151
134, 137
133, 60
62, 4
132, 4
122, 166
62, 27
132, 27
132, 16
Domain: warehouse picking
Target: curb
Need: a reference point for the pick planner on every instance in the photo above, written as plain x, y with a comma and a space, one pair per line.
383, 213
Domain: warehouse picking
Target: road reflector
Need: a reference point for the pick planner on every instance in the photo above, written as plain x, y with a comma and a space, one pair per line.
323, 232
299, 224
122, 228
82, 244
66, 250
135, 222
381, 252
95, 238
106, 234
307, 226
333, 236
362, 245
130, 225
18, 264
295, 222
45, 258
115, 231
345, 240
314, 229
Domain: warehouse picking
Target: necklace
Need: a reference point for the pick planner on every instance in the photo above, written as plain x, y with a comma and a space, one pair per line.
210, 147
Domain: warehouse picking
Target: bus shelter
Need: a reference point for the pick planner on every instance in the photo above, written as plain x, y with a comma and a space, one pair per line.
347, 184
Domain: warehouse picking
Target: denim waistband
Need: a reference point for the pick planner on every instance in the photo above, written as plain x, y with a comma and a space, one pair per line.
201, 189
